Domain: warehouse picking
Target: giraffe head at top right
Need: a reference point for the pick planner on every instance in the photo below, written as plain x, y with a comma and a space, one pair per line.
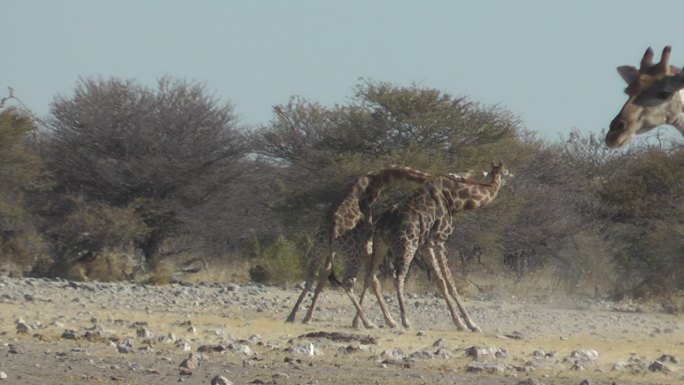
655, 97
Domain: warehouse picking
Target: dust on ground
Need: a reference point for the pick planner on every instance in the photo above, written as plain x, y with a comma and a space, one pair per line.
59, 332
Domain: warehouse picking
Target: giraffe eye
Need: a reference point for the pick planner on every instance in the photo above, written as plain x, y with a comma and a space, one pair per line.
664, 95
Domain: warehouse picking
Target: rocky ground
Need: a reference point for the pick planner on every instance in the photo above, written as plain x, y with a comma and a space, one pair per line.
60, 332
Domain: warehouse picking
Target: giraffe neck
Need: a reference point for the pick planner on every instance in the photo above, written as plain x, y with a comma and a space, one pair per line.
468, 195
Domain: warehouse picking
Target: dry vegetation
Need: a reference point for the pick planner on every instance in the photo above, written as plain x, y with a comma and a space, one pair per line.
253, 316
166, 186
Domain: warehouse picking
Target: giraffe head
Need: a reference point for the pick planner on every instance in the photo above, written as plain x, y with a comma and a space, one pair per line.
652, 98
498, 171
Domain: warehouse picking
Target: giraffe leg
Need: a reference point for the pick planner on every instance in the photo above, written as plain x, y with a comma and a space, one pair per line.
373, 263
314, 265
399, 285
377, 289
322, 277
443, 287
307, 288
406, 255
444, 266
318, 262
359, 310
359, 255
357, 317
319, 287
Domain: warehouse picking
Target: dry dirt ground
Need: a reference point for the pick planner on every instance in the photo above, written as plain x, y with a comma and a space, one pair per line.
59, 332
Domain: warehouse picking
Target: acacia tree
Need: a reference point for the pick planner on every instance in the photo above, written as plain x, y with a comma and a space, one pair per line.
320, 149
21, 172
167, 149
643, 206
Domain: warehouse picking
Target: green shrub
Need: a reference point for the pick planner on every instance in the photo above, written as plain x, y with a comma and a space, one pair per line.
279, 261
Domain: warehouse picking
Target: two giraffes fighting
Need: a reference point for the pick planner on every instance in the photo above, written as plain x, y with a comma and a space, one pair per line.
423, 221
420, 223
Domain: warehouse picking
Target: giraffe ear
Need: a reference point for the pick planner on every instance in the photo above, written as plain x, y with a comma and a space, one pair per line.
628, 73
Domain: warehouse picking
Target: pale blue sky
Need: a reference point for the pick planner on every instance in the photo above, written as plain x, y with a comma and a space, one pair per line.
550, 62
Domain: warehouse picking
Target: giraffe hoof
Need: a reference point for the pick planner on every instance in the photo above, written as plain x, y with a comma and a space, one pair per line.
355, 323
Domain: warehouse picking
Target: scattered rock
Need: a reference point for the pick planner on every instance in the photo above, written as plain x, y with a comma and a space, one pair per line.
482, 352
22, 327
254, 339
220, 380
634, 364
3, 376
443, 353
667, 358
232, 287
342, 337
511, 336
183, 345
69, 335
191, 362
393, 354
144, 332
211, 348
126, 346
421, 355
290, 360
353, 348
307, 349
657, 366
584, 355
167, 339
489, 368
243, 349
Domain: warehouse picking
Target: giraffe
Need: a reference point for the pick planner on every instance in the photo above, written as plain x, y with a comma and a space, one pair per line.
346, 228
422, 223
655, 98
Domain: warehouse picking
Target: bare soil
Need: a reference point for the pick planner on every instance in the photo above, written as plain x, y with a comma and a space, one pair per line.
97, 333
